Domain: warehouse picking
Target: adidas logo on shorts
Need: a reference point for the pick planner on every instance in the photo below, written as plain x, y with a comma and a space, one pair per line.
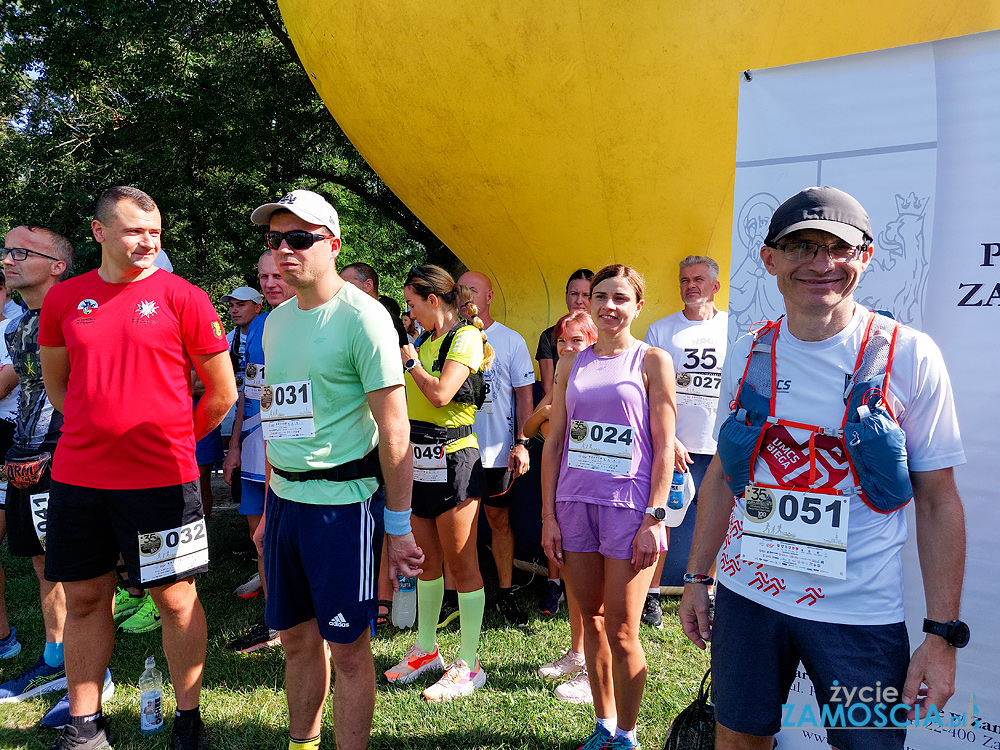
339, 621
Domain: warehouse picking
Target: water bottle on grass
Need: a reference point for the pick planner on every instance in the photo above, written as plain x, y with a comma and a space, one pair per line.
151, 698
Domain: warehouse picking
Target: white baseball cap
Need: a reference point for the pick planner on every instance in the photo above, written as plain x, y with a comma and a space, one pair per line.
244, 294
305, 204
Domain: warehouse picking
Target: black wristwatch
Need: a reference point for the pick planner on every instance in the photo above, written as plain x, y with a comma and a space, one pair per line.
658, 513
523, 442
955, 632
410, 364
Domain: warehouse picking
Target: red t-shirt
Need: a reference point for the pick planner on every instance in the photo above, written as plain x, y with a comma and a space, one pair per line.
128, 421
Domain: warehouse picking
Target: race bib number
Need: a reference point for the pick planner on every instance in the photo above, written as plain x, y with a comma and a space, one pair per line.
253, 381
698, 388
429, 463
39, 513
487, 407
801, 530
286, 410
596, 446
173, 551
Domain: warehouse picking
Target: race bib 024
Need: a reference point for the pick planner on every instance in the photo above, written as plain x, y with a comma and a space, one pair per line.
596, 446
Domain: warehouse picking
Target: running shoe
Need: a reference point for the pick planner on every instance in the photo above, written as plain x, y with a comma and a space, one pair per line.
576, 690
554, 596
70, 738
188, 734
9, 646
569, 664
652, 614
144, 619
58, 715
126, 604
621, 742
38, 680
599, 739
458, 680
415, 663
258, 636
250, 589
511, 611
449, 611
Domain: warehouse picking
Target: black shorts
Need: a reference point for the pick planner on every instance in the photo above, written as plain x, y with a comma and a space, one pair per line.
27, 522
499, 488
159, 531
465, 479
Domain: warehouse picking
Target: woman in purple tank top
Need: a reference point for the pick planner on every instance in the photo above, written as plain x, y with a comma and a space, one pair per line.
604, 490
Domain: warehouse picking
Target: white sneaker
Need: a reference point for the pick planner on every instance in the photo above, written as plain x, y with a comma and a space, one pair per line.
569, 664
576, 690
250, 589
415, 662
458, 681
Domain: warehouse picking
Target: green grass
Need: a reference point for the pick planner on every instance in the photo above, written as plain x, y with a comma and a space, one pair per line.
243, 701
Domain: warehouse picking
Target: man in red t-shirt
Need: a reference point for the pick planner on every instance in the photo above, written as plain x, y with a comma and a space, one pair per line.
117, 347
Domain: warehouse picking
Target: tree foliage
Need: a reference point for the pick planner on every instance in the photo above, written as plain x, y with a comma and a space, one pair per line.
201, 103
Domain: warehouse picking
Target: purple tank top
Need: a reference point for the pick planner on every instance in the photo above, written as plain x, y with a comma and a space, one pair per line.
608, 449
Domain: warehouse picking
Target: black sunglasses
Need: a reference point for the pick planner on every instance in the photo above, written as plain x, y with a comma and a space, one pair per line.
297, 239
22, 253
415, 271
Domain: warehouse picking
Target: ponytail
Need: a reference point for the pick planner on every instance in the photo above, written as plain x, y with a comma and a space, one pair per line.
471, 313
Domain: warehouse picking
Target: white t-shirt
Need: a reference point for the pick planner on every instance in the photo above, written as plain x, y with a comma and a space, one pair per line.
8, 405
698, 348
512, 368
811, 377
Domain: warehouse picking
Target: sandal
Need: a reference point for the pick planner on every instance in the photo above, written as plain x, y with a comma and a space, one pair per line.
380, 618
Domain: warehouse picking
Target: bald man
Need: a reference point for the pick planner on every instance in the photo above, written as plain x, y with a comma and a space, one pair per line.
500, 429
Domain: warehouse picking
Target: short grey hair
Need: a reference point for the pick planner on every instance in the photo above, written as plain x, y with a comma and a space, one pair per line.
694, 260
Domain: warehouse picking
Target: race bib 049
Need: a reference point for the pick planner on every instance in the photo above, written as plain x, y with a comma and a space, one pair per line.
429, 463
286, 410
596, 446
803, 530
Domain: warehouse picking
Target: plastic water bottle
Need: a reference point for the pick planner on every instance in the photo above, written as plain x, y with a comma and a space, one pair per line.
151, 698
675, 500
404, 603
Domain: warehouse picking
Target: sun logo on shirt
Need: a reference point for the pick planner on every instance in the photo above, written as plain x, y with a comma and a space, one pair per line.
146, 309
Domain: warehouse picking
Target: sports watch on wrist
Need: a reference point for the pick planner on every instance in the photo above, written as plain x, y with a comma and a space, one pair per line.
658, 513
525, 442
955, 632
409, 364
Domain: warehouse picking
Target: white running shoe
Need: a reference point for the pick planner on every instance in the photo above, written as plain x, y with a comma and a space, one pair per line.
251, 588
569, 664
457, 681
415, 663
576, 690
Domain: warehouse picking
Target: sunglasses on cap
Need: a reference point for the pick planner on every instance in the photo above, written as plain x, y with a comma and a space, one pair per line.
297, 239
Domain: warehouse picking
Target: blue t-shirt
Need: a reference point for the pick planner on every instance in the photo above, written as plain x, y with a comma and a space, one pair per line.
252, 451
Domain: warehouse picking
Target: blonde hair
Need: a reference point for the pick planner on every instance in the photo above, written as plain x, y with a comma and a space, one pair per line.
430, 279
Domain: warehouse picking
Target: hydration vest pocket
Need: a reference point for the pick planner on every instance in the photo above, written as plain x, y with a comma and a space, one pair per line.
738, 439
876, 446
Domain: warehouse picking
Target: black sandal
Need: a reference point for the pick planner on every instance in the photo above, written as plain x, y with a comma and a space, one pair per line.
383, 619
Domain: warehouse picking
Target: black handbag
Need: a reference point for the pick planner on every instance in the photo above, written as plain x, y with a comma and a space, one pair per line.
694, 727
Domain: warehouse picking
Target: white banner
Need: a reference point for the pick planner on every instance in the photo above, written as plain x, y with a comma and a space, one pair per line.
914, 134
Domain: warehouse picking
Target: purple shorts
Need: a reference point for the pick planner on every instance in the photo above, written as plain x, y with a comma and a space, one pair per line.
600, 528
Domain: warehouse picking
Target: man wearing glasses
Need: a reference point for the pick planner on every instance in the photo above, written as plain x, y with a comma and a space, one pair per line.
332, 409
117, 348
35, 259
838, 417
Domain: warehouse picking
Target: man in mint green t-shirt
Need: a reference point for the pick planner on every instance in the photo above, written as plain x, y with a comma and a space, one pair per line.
332, 409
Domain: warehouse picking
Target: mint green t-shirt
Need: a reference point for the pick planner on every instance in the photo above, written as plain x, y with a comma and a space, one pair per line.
346, 348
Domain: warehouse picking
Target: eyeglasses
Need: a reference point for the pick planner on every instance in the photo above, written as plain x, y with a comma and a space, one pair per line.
21, 253
415, 271
840, 252
297, 239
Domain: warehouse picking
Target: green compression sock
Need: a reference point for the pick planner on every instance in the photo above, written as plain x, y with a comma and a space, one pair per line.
430, 594
471, 607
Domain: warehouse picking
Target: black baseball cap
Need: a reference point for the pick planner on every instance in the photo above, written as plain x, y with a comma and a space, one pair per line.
825, 208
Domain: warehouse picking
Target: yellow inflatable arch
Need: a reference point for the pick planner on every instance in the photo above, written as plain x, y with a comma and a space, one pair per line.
537, 137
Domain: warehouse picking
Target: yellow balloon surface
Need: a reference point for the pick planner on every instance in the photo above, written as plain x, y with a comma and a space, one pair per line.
536, 138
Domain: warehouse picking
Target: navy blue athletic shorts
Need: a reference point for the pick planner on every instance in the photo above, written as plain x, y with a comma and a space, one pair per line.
319, 563
756, 653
